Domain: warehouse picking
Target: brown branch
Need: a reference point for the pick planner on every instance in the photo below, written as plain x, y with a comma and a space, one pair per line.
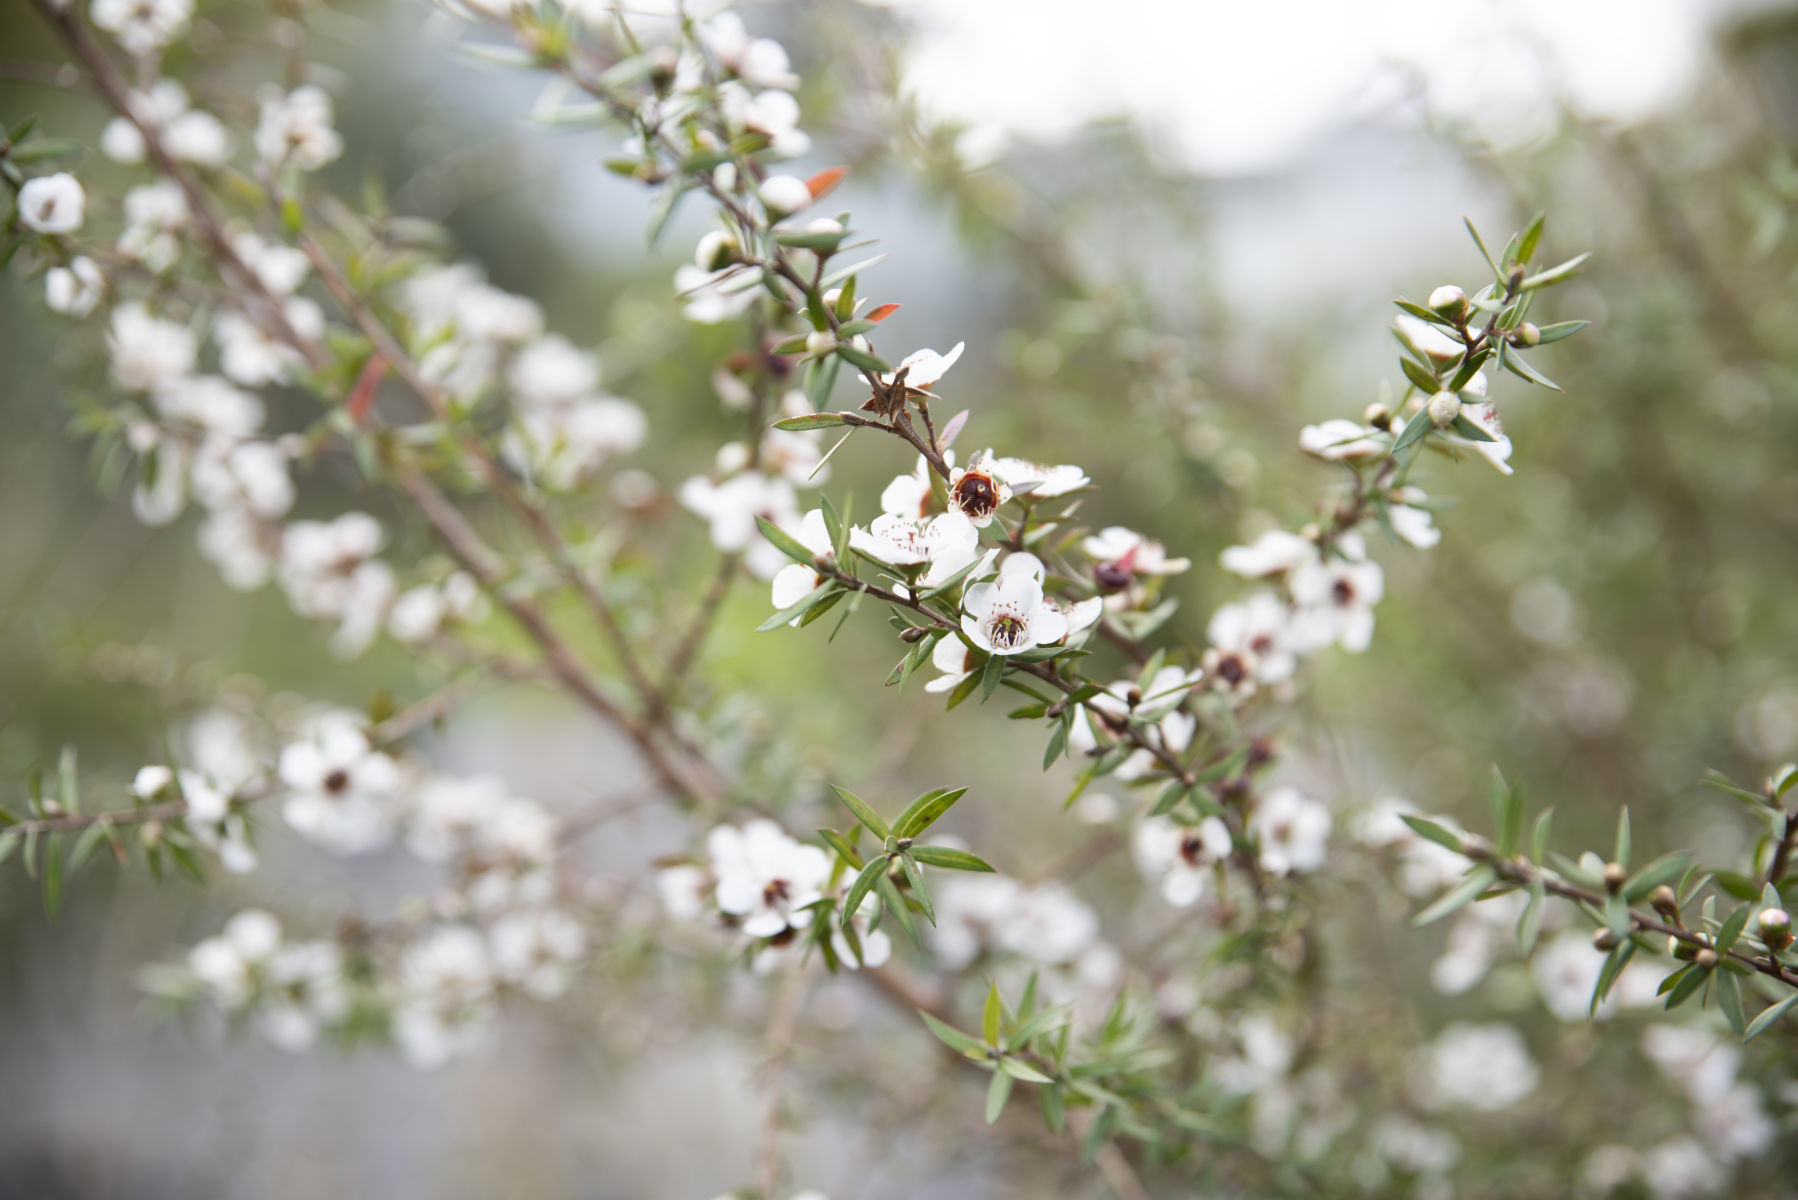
783, 1026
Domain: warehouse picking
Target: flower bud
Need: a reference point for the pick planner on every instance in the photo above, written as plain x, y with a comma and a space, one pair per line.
1664, 901
1680, 948
1133, 697
1604, 938
1706, 959
1444, 407
1614, 876
150, 835
1526, 334
820, 342
716, 250
783, 194
1776, 928
1112, 577
1378, 415
912, 634
1449, 300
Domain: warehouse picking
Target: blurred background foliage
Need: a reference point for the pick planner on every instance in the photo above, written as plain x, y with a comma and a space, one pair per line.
1606, 625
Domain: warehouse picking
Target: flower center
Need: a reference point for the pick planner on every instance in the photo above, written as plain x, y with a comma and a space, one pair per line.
1007, 630
337, 781
1343, 592
1192, 849
777, 892
1112, 576
976, 496
1232, 669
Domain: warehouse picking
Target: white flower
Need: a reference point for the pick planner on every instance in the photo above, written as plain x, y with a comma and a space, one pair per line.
1472, 945
1009, 616
908, 495
210, 405
1273, 553
197, 137
685, 891
161, 491
154, 214
309, 990
341, 788
537, 950
225, 964
774, 114
948, 543
1126, 551
976, 491
76, 289
784, 194
250, 356
765, 877
295, 128
1293, 831
1342, 441
1049, 481
52, 203
208, 815
1498, 450
1735, 1124
120, 139
445, 995
952, 657
281, 268
1179, 858
795, 581
1566, 970
1681, 1168
731, 507
1251, 644
552, 371
148, 353
1335, 599
142, 26
560, 448
1700, 1062
240, 545
251, 475
419, 613
1482, 1067
924, 368
761, 62
320, 562
1409, 521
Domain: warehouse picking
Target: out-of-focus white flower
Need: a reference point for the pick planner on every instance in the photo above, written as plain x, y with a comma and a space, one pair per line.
142, 26
307, 990
537, 950
154, 214
208, 815
318, 559
148, 353
341, 788
1409, 520
876, 945
210, 406
685, 891
240, 545
281, 268
730, 509
1341, 440
1250, 644
1264, 1056
795, 581
295, 129
955, 662
1293, 831
1045, 923
250, 356
52, 203
1414, 1148
445, 995
1481, 1067
1009, 614
1335, 599
419, 613
1467, 958
250, 475
761, 62
1735, 1123
552, 371
559, 448
76, 289
774, 114
1681, 1168
712, 297
1179, 858
1273, 553
225, 964
1049, 481
120, 139
764, 877
924, 369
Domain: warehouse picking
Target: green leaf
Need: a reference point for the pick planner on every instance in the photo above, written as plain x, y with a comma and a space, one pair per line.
868, 363
1018, 1069
1420, 378
871, 874
1620, 849
1470, 366
1614, 963
1729, 999
9, 842
919, 892
68, 790
1459, 896
1768, 1016
1469, 430
1526, 249
52, 875
1415, 429
949, 859
827, 588
820, 379
1507, 812
895, 904
1664, 869
1514, 363
1559, 330
952, 1037
1555, 275
863, 813
923, 812
997, 1093
785, 542
1682, 991
1170, 798
1054, 1111
1424, 314
1434, 832
1484, 253
1058, 744
822, 420
991, 674
1539, 837
1732, 929
990, 1015
843, 846
86, 844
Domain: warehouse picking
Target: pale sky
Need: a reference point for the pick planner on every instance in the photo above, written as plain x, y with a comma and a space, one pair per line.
1233, 86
